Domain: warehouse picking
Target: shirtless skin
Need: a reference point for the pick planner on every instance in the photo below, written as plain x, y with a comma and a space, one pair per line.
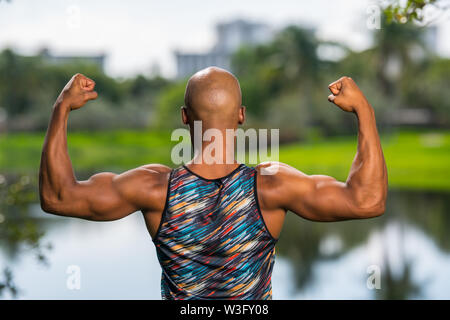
213, 96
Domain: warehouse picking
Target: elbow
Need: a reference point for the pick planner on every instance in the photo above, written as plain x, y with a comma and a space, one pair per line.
47, 208
378, 210
372, 211
369, 203
49, 204
52, 201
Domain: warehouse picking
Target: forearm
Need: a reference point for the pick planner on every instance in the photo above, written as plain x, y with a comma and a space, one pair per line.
367, 180
56, 173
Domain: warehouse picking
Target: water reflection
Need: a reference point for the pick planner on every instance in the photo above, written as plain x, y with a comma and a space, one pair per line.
314, 260
412, 229
18, 233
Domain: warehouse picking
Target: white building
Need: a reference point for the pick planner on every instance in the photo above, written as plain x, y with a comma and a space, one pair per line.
230, 37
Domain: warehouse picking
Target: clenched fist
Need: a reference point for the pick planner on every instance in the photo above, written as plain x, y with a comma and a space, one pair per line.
346, 94
78, 91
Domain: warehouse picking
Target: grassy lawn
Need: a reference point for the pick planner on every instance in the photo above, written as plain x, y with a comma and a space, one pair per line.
415, 160
89, 151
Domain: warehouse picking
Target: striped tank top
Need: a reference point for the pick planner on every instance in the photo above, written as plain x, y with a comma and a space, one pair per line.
212, 242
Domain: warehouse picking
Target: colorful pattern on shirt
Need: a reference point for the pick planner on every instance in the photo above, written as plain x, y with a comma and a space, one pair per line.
212, 242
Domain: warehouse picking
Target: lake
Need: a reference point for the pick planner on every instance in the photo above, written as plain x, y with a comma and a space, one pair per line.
403, 254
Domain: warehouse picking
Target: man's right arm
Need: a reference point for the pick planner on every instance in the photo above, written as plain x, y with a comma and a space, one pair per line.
105, 196
323, 198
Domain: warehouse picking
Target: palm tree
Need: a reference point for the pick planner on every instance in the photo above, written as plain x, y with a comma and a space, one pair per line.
397, 47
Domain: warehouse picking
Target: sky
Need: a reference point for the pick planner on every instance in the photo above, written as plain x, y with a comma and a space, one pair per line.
137, 35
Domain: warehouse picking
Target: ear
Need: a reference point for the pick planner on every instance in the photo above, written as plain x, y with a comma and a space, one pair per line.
241, 118
184, 115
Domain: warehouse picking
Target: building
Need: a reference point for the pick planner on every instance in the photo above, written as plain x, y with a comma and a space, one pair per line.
230, 37
98, 60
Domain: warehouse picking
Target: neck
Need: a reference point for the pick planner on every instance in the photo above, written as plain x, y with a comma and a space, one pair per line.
214, 148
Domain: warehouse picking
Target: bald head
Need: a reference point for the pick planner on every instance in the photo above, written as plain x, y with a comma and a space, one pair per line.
213, 95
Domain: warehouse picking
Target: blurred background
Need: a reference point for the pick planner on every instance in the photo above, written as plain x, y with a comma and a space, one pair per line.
284, 53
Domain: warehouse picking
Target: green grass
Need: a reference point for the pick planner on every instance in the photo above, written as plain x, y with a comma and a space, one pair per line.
89, 151
415, 160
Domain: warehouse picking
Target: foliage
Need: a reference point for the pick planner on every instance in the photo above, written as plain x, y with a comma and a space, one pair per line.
288, 63
284, 84
29, 86
18, 231
170, 101
411, 10
286, 79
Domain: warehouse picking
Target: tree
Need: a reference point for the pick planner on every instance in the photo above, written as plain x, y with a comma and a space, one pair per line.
413, 10
395, 46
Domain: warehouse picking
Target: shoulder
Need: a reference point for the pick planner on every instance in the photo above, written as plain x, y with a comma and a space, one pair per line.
146, 174
156, 167
279, 182
282, 178
278, 172
153, 176
145, 184
157, 171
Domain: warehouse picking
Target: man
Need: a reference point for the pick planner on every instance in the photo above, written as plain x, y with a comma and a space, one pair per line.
214, 225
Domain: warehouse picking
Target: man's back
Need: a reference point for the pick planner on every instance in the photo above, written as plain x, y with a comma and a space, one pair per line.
212, 242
